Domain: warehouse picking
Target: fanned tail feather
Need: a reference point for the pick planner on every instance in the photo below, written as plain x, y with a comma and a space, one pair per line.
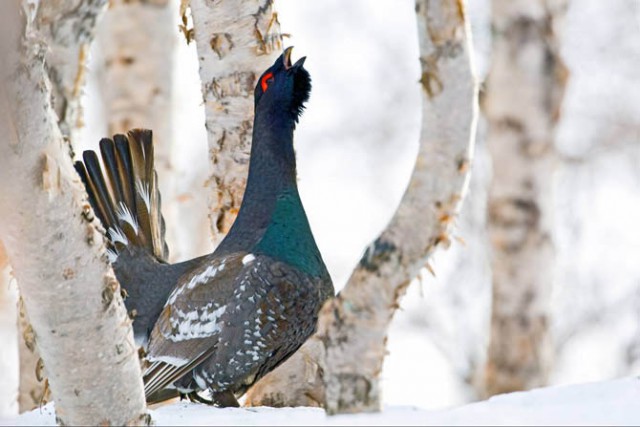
126, 198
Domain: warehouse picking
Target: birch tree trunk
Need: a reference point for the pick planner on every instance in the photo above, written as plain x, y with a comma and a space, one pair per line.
9, 380
236, 42
68, 28
353, 326
522, 104
138, 41
79, 321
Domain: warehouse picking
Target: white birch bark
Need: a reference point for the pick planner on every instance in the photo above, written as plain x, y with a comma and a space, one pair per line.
9, 362
68, 26
236, 42
80, 323
138, 41
353, 326
525, 86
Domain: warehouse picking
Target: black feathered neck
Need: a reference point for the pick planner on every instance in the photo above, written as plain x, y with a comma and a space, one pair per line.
272, 220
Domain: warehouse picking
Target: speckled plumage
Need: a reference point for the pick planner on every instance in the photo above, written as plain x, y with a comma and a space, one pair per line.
265, 311
228, 318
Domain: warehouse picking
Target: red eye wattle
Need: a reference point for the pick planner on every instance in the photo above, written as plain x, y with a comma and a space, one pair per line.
264, 82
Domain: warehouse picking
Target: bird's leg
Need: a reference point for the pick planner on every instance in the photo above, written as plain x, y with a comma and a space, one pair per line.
225, 399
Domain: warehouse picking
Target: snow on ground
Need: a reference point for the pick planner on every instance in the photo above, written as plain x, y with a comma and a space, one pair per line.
604, 403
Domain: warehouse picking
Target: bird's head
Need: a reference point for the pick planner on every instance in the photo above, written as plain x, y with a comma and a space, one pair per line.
284, 86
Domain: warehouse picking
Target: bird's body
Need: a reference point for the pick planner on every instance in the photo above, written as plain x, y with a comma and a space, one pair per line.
222, 321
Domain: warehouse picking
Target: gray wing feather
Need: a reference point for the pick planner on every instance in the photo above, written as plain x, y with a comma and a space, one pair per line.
266, 311
190, 320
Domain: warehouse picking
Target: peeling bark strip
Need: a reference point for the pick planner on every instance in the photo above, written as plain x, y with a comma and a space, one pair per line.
79, 320
522, 104
9, 379
353, 326
236, 41
34, 390
67, 26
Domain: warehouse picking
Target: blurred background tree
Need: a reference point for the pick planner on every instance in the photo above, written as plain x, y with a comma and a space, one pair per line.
524, 91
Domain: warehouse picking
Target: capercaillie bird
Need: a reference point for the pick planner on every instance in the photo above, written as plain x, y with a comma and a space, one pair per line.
221, 321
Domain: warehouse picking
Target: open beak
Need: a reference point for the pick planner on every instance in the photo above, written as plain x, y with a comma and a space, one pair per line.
286, 58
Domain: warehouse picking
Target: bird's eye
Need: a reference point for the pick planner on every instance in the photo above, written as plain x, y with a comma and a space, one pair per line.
266, 79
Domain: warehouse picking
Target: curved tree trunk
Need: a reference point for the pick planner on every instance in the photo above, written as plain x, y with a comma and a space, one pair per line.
522, 104
353, 326
236, 42
80, 323
9, 380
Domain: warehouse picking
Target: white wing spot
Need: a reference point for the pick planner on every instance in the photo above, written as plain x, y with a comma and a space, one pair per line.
191, 325
202, 277
247, 259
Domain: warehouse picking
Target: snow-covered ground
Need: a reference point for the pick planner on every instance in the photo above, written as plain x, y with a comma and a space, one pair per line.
605, 403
